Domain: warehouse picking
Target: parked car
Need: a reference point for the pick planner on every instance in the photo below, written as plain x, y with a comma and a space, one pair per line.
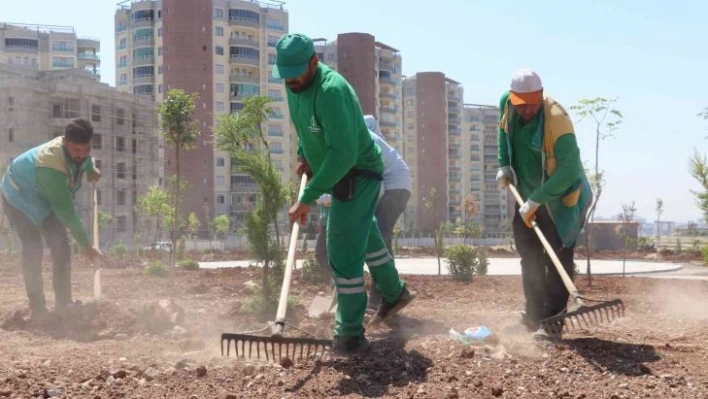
160, 246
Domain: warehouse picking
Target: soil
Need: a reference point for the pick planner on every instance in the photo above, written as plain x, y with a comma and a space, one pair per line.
137, 343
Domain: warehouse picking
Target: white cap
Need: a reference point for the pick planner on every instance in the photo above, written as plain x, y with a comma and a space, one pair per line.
525, 81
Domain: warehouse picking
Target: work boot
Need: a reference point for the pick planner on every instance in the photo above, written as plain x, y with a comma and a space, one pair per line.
388, 310
529, 322
551, 331
345, 346
38, 314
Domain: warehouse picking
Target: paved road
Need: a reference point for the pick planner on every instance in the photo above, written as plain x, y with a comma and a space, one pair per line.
510, 267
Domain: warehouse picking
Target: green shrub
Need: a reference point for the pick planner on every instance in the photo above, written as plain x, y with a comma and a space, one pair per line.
181, 244
464, 261
311, 271
118, 250
188, 264
705, 254
156, 269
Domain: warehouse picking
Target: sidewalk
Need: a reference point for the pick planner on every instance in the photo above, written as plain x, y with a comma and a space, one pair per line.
512, 267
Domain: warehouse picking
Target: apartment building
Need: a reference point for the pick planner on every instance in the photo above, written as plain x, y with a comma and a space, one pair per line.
224, 51
374, 70
432, 110
48, 48
36, 106
480, 165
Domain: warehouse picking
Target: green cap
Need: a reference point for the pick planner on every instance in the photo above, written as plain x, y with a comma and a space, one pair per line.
294, 51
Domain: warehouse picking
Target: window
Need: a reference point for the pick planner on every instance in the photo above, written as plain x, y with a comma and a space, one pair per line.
95, 113
275, 94
120, 170
220, 161
274, 23
62, 62
26, 44
56, 111
220, 106
271, 59
146, 71
220, 181
159, 51
72, 109
135, 171
120, 144
219, 69
10, 135
143, 15
142, 34
244, 90
220, 87
97, 141
235, 107
143, 53
120, 116
159, 32
133, 197
120, 197
219, 31
219, 50
134, 146
244, 15
123, 43
219, 13
121, 224
273, 40
63, 46
220, 198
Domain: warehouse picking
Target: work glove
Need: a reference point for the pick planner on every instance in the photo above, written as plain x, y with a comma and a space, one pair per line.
505, 175
528, 212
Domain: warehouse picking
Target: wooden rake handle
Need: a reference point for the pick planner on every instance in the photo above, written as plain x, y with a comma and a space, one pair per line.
567, 281
289, 266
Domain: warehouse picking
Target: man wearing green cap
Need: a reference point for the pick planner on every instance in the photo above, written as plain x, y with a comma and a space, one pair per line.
335, 148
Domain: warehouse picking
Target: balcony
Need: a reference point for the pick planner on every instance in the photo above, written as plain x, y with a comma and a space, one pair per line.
241, 78
144, 41
276, 27
276, 116
388, 124
242, 21
277, 99
244, 60
143, 61
275, 133
244, 41
390, 110
455, 132
388, 96
272, 79
144, 79
142, 22
387, 81
88, 57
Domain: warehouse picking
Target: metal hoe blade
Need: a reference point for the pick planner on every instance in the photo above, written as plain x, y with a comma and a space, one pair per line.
273, 348
584, 316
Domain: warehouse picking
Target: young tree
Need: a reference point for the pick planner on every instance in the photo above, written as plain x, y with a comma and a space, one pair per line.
156, 204
659, 210
627, 217
429, 203
607, 120
469, 209
193, 225
220, 225
180, 132
698, 166
242, 136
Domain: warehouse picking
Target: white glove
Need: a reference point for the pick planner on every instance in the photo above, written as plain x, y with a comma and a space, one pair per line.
505, 175
325, 199
527, 211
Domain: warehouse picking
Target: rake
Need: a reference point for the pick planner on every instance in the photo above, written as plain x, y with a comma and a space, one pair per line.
585, 315
277, 347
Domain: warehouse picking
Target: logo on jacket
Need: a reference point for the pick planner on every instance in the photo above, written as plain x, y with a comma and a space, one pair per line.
314, 127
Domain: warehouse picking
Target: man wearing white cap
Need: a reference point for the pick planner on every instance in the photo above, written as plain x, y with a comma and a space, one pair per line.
539, 154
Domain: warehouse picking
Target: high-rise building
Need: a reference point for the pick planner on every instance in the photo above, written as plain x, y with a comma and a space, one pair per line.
224, 51
480, 165
47, 48
432, 116
374, 71
37, 106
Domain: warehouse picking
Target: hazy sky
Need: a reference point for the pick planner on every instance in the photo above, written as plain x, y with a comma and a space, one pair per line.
652, 55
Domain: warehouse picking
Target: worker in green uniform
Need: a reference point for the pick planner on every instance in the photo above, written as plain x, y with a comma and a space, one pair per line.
38, 191
335, 148
539, 154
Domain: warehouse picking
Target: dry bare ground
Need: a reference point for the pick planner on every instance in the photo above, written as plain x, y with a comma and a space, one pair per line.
129, 345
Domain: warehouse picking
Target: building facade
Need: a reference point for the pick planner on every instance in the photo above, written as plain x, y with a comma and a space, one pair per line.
480, 166
224, 51
374, 71
37, 106
48, 48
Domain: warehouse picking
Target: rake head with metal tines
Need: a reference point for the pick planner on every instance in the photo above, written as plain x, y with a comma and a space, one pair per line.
584, 316
274, 348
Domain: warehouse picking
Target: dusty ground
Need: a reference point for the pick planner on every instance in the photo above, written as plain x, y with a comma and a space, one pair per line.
127, 345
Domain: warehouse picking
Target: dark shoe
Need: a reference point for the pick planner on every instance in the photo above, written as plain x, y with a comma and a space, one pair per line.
544, 334
531, 324
551, 329
388, 310
38, 314
344, 346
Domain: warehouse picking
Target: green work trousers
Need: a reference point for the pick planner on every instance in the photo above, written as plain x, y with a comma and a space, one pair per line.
353, 237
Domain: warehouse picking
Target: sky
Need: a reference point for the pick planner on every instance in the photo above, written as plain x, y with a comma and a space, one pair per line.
650, 55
